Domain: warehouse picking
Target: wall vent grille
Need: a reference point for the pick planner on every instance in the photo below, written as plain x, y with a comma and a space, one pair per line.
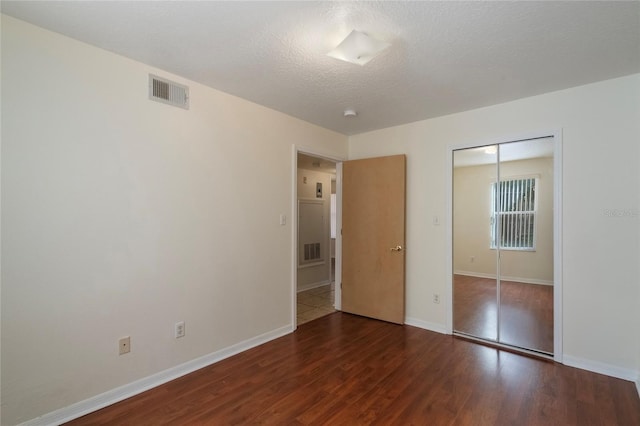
168, 92
312, 251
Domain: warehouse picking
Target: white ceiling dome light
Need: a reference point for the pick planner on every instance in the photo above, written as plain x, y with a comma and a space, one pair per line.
358, 48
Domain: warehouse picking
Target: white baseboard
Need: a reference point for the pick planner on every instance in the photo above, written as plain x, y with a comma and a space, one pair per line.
309, 286
123, 392
475, 274
601, 368
431, 326
504, 278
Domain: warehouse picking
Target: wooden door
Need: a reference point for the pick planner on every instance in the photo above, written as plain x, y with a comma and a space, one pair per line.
373, 222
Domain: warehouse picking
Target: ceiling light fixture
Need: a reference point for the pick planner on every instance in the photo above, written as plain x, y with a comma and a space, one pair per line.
350, 113
358, 48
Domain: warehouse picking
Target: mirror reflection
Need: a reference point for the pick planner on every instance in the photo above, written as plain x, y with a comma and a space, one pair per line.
475, 304
503, 243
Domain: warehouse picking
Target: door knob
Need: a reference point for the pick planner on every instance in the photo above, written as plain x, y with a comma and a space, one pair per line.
396, 248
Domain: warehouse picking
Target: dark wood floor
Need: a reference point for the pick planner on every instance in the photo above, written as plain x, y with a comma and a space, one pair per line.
526, 315
346, 370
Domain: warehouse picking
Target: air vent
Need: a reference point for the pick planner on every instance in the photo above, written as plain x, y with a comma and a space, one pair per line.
168, 92
312, 251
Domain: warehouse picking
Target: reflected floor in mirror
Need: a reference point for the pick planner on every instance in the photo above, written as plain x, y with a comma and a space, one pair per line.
527, 311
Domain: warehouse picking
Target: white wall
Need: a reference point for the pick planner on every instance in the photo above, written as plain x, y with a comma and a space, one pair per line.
312, 276
121, 216
601, 176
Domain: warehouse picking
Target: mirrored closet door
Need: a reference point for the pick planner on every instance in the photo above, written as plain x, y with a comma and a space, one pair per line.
503, 244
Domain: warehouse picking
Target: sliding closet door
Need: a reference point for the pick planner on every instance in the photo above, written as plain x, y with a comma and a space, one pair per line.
475, 289
524, 238
503, 244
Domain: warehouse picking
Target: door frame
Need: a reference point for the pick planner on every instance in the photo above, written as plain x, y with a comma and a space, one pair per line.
296, 149
557, 227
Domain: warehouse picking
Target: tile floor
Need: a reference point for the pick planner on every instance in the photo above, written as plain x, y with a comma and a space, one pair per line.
315, 303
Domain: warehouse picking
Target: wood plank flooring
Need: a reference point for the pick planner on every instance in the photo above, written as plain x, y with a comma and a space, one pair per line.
347, 370
527, 311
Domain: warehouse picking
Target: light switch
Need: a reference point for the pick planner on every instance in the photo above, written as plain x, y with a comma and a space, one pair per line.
436, 220
283, 219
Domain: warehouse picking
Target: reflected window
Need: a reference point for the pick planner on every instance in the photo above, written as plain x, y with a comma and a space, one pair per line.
513, 216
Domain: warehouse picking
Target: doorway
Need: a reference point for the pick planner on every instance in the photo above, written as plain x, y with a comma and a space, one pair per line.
505, 244
360, 182
316, 188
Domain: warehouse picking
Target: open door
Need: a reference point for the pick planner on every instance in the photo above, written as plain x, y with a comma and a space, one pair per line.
373, 233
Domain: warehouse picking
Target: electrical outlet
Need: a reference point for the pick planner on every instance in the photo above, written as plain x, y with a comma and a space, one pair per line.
179, 329
436, 298
125, 345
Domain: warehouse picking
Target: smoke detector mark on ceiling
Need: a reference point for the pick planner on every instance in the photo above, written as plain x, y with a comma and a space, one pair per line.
168, 92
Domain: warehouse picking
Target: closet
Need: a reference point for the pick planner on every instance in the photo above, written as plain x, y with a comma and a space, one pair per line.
503, 244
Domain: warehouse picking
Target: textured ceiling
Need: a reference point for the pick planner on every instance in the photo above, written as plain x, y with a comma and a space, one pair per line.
510, 151
445, 57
